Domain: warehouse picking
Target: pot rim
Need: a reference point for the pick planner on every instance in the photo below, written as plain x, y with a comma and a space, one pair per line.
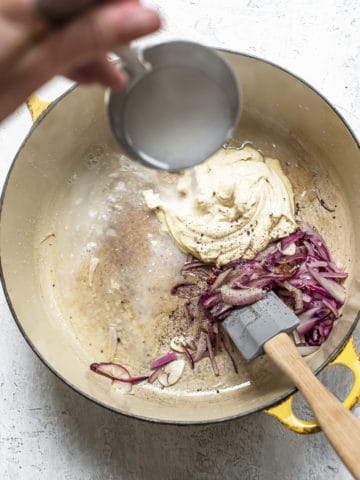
184, 423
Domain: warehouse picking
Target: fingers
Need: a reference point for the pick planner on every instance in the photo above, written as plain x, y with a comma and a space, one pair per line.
17, 7
76, 48
101, 71
27, 7
94, 34
25, 14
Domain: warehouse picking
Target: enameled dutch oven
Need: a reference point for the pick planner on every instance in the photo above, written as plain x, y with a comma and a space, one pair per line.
80, 250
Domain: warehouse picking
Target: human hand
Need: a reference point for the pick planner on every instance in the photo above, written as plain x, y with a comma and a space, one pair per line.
32, 52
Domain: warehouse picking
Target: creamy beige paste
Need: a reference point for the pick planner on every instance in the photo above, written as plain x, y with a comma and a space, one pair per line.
231, 206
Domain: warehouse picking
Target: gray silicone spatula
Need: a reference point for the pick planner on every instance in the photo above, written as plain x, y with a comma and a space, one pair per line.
264, 327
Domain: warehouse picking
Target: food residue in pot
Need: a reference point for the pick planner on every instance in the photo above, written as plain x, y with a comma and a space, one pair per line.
235, 215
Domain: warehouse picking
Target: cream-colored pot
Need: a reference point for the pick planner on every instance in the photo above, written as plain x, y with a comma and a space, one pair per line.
80, 250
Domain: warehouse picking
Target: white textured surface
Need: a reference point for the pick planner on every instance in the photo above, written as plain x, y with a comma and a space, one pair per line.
47, 430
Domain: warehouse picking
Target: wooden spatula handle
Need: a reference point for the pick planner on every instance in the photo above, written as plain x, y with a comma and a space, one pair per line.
339, 425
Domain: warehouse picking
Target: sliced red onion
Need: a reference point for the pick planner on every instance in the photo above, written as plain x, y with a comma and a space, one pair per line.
197, 273
297, 338
225, 341
306, 298
318, 264
309, 248
210, 299
189, 265
340, 275
317, 240
313, 313
241, 280
297, 295
189, 356
163, 360
262, 283
114, 370
110, 369
186, 290
309, 277
291, 258
212, 356
294, 237
155, 374
271, 248
221, 279
323, 202
313, 339
316, 289
216, 271
335, 289
307, 326
310, 318
324, 252
270, 270
138, 379
201, 347
331, 305
250, 267
188, 314
335, 267
232, 296
218, 310
325, 329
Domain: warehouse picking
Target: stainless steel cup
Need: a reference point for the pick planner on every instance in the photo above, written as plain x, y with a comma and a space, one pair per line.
180, 109
181, 103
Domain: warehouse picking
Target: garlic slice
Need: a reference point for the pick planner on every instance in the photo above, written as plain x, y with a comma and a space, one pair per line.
172, 373
177, 344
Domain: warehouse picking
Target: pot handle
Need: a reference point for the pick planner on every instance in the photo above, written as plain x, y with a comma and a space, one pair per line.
283, 411
36, 106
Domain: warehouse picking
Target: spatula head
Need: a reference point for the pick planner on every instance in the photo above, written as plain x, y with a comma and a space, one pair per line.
251, 326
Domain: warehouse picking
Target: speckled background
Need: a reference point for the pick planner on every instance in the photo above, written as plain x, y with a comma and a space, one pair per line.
47, 430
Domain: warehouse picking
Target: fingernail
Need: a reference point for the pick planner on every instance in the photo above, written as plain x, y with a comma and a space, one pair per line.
140, 20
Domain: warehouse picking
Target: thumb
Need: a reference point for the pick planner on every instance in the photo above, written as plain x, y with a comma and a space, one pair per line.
100, 70
93, 34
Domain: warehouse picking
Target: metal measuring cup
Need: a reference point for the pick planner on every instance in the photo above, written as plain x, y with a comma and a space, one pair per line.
181, 103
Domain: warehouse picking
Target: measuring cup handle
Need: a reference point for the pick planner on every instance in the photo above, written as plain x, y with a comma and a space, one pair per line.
131, 62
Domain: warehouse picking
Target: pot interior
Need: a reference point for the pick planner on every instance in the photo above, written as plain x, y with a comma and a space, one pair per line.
72, 197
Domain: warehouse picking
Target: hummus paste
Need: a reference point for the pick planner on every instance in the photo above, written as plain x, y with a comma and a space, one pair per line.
231, 206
